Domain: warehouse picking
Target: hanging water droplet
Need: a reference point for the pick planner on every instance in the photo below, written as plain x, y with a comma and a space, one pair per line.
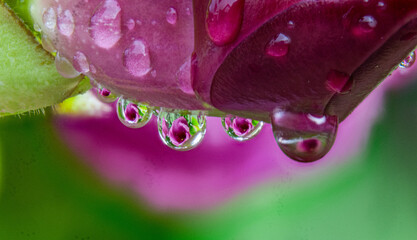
224, 20
180, 131
47, 44
304, 137
105, 95
278, 47
133, 114
136, 59
105, 25
172, 16
241, 129
66, 24
338, 82
64, 67
49, 19
409, 60
81, 63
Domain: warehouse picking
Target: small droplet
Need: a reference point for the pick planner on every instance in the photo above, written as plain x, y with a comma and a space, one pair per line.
279, 46
64, 67
105, 25
304, 137
338, 82
172, 16
136, 59
66, 24
241, 129
291, 25
133, 114
37, 28
105, 95
381, 6
80, 62
365, 25
409, 60
130, 24
181, 132
49, 19
224, 20
47, 44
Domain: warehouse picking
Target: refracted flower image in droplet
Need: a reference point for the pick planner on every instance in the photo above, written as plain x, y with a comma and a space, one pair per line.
133, 114
409, 60
181, 132
241, 129
278, 46
105, 95
304, 137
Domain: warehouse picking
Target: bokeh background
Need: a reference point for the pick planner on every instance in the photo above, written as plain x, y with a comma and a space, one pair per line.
72, 177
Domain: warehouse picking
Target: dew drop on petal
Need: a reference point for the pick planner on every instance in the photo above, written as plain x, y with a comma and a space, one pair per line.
47, 44
130, 24
278, 46
338, 81
409, 60
80, 62
64, 67
180, 131
172, 16
241, 129
105, 95
136, 59
133, 114
366, 24
49, 19
304, 137
224, 20
66, 24
105, 25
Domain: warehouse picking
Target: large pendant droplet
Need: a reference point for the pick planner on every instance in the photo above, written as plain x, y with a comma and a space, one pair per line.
181, 131
304, 137
133, 114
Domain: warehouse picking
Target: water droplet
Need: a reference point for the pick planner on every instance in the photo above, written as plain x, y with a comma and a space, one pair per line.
338, 82
64, 67
66, 23
365, 24
130, 24
105, 25
180, 131
241, 129
304, 137
49, 19
136, 59
291, 25
47, 44
278, 47
80, 62
37, 28
105, 95
172, 16
381, 6
133, 114
224, 20
409, 60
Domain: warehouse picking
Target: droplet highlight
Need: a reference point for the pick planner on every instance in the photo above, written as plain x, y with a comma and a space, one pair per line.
224, 20
304, 137
105, 25
64, 67
241, 129
133, 114
172, 16
181, 132
409, 60
66, 24
49, 19
278, 46
136, 59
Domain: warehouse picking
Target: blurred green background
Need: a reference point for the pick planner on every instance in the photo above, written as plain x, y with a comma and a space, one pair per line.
47, 193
